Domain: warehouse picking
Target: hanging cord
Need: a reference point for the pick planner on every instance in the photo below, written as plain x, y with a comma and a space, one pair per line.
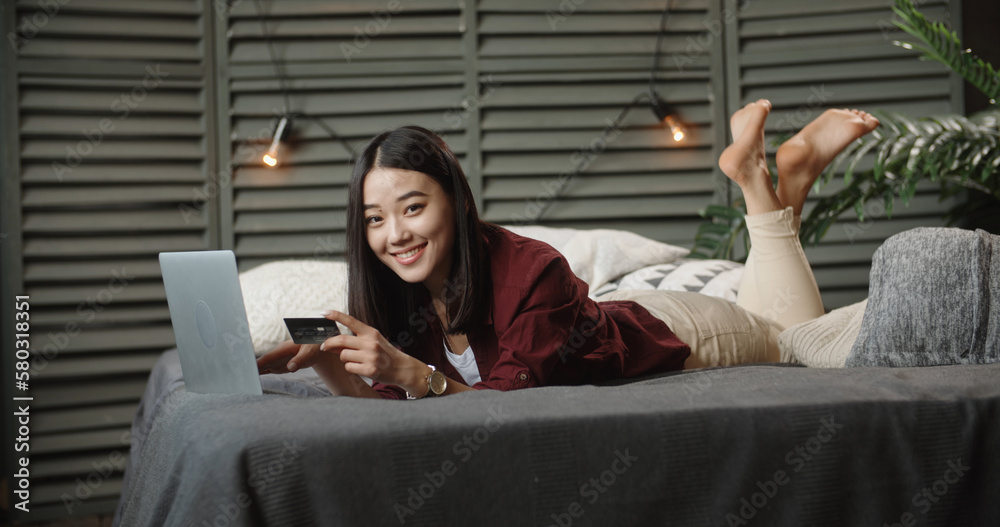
282, 75
616, 123
656, 51
322, 124
581, 166
279, 69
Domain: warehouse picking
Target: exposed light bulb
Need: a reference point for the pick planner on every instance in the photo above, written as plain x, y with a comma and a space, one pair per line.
665, 113
675, 128
271, 157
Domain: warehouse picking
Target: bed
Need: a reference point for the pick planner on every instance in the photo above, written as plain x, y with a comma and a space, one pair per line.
754, 444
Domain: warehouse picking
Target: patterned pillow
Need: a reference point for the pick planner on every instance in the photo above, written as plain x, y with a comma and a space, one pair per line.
719, 278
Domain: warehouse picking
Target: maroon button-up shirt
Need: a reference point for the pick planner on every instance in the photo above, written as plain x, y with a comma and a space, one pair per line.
544, 330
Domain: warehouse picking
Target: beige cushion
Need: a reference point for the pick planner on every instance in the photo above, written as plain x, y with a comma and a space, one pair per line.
824, 342
290, 288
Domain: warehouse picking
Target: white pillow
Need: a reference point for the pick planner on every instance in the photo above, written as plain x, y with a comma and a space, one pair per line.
599, 256
824, 342
290, 288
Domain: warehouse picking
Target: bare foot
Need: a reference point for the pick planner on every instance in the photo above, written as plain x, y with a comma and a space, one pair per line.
745, 157
738, 122
802, 158
744, 161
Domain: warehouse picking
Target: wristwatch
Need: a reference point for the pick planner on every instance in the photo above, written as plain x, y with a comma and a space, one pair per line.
437, 383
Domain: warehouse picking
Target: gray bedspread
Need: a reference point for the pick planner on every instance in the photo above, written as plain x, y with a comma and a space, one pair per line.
746, 445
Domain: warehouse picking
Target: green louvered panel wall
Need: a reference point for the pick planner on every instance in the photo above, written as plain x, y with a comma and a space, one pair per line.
810, 55
113, 135
560, 73
518, 88
362, 67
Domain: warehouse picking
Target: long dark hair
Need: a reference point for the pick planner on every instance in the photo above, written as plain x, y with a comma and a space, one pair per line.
376, 295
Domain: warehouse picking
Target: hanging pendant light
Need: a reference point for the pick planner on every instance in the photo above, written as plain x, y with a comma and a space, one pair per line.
280, 132
668, 117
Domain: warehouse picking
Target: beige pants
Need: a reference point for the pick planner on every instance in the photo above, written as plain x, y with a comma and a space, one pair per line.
778, 291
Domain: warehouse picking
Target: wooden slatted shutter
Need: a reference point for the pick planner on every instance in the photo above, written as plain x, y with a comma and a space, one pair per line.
114, 151
562, 71
362, 67
519, 89
810, 55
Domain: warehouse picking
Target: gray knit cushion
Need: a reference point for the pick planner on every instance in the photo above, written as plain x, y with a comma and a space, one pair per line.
934, 299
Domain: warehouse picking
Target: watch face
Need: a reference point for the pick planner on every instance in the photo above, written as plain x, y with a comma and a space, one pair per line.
438, 382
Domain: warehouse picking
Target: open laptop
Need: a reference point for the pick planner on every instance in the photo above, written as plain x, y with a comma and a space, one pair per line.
210, 322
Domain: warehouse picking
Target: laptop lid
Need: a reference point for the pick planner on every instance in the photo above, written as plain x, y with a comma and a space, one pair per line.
210, 322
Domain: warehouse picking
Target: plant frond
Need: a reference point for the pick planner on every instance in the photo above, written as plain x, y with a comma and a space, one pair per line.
937, 43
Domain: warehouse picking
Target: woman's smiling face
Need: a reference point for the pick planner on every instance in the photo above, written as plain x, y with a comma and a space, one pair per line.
410, 224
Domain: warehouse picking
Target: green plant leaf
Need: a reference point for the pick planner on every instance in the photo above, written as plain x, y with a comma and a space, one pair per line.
711, 243
718, 229
935, 42
881, 158
720, 211
859, 154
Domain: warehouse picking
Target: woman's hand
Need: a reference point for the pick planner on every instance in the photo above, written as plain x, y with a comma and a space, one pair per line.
369, 354
340, 359
279, 360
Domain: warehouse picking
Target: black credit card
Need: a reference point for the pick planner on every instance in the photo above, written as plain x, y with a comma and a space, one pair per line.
311, 330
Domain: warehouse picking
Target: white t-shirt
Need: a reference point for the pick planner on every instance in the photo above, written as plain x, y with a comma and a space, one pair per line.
465, 364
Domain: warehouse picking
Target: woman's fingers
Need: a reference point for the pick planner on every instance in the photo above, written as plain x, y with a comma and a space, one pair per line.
306, 357
342, 342
270, 361
356, 326
367, 362
287, 357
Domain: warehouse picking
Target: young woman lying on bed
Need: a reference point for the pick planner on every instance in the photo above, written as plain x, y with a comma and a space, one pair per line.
443, 302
